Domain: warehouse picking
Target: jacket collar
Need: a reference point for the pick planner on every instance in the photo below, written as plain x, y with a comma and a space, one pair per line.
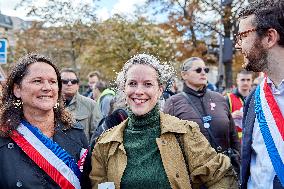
169, 124
74, 99
190, 91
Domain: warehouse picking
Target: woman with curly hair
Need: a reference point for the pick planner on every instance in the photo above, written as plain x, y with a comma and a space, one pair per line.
40, 145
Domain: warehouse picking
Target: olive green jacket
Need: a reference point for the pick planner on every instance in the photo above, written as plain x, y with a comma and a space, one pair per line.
109, 158
86, 112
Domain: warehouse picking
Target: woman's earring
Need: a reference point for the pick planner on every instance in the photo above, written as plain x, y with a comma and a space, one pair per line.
56, 105
18, 103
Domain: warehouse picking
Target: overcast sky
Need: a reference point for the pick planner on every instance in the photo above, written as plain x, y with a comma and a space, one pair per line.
107, 7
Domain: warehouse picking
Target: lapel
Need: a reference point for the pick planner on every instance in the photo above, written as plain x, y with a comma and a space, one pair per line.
72, 105
248, 124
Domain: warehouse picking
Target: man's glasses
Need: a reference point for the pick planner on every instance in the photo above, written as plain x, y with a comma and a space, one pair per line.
73, 81
239, 37
199, 70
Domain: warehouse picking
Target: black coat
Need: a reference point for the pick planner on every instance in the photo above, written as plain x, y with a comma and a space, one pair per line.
18, 170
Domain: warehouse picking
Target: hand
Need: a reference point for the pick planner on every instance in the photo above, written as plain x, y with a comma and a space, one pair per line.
237, 114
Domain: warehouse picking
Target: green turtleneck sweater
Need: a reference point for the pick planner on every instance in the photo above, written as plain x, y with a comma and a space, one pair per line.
144, 164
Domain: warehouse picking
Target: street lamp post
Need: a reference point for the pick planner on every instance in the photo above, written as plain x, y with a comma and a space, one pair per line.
221, 65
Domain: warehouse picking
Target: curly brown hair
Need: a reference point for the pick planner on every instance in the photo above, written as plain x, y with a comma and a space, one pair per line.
10, 114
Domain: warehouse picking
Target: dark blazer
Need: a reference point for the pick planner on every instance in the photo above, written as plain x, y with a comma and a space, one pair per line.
248, 122
18, 170
246, 151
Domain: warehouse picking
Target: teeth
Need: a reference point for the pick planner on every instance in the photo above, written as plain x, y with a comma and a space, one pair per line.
45, 97
139, 101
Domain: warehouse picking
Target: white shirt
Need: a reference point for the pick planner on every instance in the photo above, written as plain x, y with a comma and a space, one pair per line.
261, 169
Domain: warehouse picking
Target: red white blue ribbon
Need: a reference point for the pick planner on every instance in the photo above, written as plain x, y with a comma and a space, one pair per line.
48, 155
271, 123
83, 155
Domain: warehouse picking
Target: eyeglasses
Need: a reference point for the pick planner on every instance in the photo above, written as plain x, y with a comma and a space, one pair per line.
73, 81
199, 70
239, 36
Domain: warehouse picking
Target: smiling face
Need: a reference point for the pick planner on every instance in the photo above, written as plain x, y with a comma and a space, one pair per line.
39, 88
142, 89
255, 55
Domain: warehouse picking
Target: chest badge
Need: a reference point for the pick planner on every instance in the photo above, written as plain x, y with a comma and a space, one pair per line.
212, 106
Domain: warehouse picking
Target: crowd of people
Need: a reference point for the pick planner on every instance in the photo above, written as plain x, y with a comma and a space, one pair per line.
149, 132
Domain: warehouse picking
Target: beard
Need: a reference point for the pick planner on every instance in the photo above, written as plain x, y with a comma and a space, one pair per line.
257, 58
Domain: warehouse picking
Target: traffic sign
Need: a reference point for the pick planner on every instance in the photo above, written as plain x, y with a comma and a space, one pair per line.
3, 51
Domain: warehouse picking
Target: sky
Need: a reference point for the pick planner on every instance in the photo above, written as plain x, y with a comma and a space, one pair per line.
106, 10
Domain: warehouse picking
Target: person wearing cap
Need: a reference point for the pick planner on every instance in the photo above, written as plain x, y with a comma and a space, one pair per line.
207, 108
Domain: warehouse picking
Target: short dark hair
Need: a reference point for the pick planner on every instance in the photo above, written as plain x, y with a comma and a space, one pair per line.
268, 14
245, 72
71, 70
101, 86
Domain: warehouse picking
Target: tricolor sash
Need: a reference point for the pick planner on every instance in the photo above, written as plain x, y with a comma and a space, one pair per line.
49, 156
271, 123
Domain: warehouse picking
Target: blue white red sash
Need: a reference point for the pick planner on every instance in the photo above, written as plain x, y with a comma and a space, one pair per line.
49, 156
271, 123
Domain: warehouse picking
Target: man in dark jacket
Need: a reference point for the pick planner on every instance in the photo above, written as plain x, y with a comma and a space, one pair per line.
209, 109
261, 40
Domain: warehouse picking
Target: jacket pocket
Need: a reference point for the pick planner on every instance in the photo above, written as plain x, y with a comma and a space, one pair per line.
81, 117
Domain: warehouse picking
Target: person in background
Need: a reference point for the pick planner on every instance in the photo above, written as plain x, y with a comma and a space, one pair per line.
84, 110
220, 84
205, 107
93, 78
40, 145
108, 122
211, 86
104, 97
261, 40
170, 89
237, 97
152, 149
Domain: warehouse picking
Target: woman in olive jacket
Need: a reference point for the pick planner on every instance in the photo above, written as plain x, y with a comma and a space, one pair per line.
151, 149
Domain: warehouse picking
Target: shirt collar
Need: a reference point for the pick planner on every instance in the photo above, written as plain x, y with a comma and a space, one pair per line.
278, 89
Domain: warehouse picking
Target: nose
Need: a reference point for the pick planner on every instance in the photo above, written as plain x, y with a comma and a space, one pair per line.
69, 83
139, 89
46, 86
203, 71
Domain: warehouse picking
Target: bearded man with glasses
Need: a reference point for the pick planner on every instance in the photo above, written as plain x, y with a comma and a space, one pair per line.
207, 108
84, 110
261, 41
